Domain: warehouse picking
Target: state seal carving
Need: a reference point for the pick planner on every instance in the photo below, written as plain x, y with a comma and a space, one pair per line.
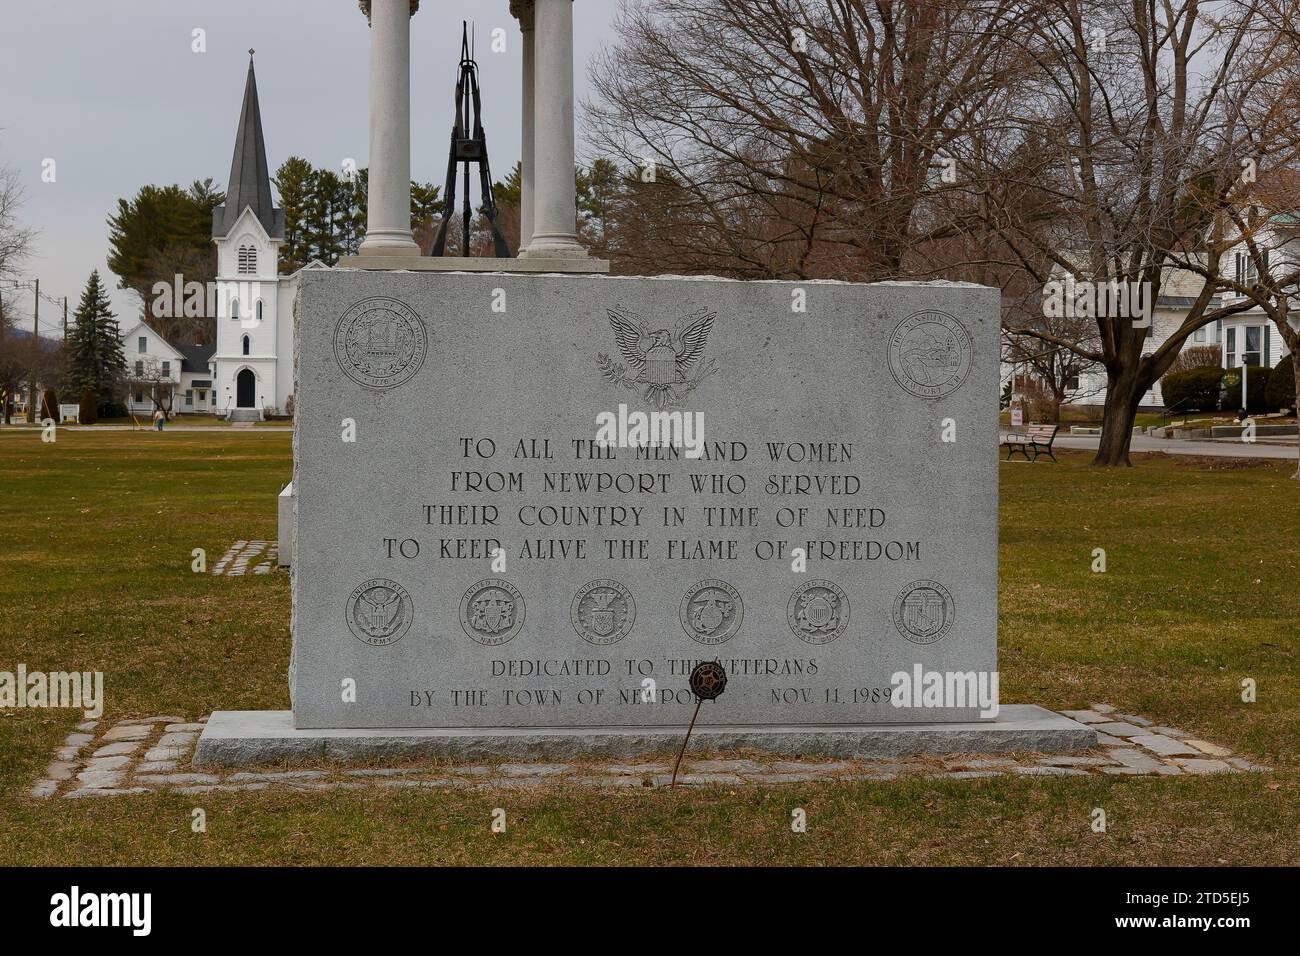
602, 612
930, 354
492, 612
711, 612
818, 612
380, 342
924, 612
379, 612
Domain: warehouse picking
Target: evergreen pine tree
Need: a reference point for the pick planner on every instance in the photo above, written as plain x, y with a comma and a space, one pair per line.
95, 356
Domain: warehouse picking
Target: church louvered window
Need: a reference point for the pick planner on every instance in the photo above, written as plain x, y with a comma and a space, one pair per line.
247, 260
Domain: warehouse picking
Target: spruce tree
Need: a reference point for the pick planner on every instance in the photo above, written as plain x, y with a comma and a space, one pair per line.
95, 358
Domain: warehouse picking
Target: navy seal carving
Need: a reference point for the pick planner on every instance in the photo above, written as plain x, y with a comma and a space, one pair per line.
711, 612
492, 611
924, 612
818, 612
379, 612
930, 354
664, 365
602, 612
380, 342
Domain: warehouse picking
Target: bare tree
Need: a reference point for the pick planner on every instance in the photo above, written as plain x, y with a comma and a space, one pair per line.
149, 377
1150, 111
797, 138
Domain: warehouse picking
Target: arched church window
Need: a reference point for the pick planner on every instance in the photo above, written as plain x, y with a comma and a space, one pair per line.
234, 309
247, 345
247, 260
259, 310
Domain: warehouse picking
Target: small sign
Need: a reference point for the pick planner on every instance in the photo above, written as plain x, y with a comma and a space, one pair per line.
1017, 416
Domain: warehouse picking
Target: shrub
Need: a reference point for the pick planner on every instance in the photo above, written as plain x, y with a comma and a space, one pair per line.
1257, 379
1197, 356
1192, 390
1281, 384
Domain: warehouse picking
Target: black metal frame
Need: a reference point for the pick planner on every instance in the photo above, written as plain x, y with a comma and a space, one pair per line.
469, 149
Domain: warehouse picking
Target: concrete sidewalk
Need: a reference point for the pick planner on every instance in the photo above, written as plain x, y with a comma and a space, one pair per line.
1182, 446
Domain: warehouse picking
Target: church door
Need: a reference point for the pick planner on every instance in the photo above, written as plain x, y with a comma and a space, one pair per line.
245, 389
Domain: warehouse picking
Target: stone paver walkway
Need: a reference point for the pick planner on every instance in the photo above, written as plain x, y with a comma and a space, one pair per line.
235, 562
155, 753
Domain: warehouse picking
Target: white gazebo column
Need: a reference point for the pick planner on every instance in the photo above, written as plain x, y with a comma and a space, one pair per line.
523, 10
555, 205
388, 204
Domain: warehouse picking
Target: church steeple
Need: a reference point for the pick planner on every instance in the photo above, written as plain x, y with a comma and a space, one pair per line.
249, 184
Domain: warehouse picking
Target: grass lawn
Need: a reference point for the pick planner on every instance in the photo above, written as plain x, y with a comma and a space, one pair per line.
1200, 591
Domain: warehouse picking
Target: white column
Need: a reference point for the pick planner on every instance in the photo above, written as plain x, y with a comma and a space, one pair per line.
388, 204
526, 167
555, 206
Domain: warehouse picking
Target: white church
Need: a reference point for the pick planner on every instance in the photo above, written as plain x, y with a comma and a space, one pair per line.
249, 373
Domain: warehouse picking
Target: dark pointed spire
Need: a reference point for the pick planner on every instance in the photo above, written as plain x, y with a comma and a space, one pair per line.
249, 184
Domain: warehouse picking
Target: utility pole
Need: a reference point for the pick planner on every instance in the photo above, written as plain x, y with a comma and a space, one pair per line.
36, 344
4, 384
65, 320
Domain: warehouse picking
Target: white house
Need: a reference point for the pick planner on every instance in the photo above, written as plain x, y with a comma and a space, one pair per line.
178, 376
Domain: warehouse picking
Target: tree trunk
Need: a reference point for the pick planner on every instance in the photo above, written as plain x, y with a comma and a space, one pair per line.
1295, 368
1123, 395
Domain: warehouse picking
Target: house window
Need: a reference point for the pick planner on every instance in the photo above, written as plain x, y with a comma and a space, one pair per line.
1231, 351
1072, 383
139, 369
139, 398
247, 345
1199, 335
189, 397
167, 369
1250, 354
142, 345
247, 261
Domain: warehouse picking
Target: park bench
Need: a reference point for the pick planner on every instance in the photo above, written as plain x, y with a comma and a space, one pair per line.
1035, 438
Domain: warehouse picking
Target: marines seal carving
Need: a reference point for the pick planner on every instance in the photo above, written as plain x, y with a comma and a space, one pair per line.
924, 612
602, 612
380, 342
930, 354
711, 612
818, 612
492, 612
379, 612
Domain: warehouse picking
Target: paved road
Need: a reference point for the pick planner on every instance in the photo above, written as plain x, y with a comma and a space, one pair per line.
1183, 446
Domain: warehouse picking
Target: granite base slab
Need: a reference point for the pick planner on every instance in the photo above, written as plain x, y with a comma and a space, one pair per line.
474, 264
235, 738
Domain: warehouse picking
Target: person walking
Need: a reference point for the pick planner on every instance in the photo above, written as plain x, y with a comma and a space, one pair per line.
158, 418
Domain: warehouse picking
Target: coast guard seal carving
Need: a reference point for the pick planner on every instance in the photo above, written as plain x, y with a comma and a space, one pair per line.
711, 612
492, 612
930, 354
602, 612
379, 612
380, 342
924, 612
818, 612
658, 361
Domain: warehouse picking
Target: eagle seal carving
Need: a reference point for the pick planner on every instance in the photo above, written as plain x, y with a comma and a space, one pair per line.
664, 365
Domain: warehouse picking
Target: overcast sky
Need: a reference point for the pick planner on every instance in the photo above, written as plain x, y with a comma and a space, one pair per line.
112, 92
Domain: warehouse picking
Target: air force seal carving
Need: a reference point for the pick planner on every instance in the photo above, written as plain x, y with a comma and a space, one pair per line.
602, 612
924, 612
818, 612
711, 612
380, 342
379, 612
492, 612
930, 354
